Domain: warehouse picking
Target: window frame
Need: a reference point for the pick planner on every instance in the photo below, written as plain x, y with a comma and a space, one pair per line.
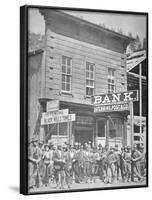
121, 123
111, 77
66, 74
89, 78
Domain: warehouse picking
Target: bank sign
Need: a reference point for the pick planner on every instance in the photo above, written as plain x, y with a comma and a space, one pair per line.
114, 102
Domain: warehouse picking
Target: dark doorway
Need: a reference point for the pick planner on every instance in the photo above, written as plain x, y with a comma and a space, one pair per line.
83, 136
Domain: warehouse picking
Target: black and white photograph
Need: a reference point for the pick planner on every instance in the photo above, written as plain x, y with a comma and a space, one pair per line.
87, 99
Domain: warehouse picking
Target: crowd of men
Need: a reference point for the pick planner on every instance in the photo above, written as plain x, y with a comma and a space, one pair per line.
65, 165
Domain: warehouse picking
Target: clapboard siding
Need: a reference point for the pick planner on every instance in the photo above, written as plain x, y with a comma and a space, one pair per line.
57, 55
75, 53
51, 75
80, 52
101, 90
63, 39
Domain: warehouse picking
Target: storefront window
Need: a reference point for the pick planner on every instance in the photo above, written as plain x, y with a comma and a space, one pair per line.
115, 127
53, 129
101, 128
63, 129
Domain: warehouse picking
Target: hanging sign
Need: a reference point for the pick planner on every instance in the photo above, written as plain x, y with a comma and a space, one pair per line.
114, 102
55, 112
58, 119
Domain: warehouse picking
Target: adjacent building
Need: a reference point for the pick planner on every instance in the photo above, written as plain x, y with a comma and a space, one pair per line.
80, 59
137, 72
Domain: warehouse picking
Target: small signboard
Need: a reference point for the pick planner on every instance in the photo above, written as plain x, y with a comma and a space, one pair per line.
52, 105
58, 119
111, 107
55, 112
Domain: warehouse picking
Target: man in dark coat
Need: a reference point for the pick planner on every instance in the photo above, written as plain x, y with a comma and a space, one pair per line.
136, 158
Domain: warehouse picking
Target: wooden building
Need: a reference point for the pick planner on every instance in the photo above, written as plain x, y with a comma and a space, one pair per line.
81, 59
137, 72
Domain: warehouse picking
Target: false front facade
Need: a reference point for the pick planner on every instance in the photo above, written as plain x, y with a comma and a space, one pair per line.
80, 60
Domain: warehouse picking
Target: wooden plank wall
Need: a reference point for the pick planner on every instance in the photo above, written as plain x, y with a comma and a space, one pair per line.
58, 45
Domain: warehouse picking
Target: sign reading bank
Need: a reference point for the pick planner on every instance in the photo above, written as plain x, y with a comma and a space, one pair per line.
114, 102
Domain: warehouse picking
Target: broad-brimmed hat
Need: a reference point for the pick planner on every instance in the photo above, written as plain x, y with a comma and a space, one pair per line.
46, 145
59, 145
41, 142
51, 144
35, 139
141, 147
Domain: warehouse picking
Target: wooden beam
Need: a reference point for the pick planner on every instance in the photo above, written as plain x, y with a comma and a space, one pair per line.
136, 75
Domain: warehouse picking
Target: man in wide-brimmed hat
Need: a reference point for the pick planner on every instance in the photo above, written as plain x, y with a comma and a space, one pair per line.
127, 162
34, 158
136, 158
40, 142
46, 160
59, 164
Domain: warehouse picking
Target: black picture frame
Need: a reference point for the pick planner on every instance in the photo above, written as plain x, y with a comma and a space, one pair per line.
24, 97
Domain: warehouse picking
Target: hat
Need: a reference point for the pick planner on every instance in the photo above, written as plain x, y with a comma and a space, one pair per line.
41, 142
51, 144
99, 145
46, 145
111, 148
116, 145
59, 145
35, 139
128, 147
66, 143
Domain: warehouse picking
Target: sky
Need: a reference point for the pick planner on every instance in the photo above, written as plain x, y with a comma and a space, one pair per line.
136, 24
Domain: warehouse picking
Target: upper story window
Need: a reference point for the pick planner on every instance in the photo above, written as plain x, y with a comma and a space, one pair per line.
66, 73
90, 78
111, 80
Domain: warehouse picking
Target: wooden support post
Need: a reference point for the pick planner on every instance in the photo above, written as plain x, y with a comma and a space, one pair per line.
132, 135
131, 124
58, 133
70, 134
140, 100
107, 132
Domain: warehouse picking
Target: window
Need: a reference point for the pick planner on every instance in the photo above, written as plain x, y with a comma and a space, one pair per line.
66, 73
90, 78
111, 80
63, 129
115, 128
60, 129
